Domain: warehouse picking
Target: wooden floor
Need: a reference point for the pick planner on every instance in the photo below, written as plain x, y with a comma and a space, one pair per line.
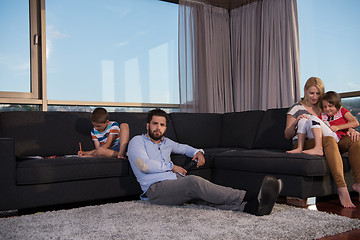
332, 205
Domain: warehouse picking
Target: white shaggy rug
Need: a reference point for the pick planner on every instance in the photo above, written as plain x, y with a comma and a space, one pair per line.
141, 220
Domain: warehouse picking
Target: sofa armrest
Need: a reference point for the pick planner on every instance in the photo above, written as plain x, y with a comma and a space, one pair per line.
7, 173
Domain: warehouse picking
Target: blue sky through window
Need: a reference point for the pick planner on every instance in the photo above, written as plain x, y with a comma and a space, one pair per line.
329, 43
14, 46
113, 51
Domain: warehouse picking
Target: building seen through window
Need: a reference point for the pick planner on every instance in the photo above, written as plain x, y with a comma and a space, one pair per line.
329, 46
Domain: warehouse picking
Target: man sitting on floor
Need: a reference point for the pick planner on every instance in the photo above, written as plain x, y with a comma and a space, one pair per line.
163, 182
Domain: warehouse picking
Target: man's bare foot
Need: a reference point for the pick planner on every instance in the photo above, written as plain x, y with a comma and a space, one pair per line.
344, 197
314, 151
296, 150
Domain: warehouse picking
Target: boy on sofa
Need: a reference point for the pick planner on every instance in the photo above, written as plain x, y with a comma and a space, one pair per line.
109, 138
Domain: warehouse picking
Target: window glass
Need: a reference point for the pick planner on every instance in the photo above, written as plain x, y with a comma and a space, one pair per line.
112, 51
329, 43
14, 46
353, 105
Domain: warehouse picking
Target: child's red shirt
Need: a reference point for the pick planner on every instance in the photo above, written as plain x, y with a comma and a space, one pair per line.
337, 119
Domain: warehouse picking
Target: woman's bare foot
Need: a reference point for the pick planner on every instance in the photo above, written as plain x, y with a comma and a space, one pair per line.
314, 151
296, 150
344, 197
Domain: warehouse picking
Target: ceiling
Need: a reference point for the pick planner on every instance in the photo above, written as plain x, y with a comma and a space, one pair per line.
227, 4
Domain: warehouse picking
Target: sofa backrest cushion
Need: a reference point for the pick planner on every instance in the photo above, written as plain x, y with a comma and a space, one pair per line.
270, 134
47, 133
137, 123
59, 133
200, 130
239, 128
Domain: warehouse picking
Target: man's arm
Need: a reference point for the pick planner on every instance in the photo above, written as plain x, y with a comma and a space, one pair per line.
189, 151
138, 155
200, 157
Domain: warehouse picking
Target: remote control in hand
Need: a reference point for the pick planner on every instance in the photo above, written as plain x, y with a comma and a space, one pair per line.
190, 164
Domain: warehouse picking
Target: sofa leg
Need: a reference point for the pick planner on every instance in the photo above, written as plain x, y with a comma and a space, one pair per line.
298, 202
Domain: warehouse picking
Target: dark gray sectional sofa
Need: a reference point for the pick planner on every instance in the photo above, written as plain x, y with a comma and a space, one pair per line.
240, 149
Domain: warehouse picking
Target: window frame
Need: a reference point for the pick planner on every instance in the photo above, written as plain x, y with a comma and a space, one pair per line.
33, 96
38, 76
350, 94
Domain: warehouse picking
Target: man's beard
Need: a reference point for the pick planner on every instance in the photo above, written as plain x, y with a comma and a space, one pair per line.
155, 137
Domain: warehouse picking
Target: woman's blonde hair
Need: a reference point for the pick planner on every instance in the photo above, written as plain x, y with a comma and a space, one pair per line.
314, 82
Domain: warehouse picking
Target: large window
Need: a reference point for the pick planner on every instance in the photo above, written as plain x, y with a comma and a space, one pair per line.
115, 53
112, 51
15, 46
329, 47
124, 52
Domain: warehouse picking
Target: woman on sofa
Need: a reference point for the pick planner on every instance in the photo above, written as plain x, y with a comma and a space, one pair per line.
313, 91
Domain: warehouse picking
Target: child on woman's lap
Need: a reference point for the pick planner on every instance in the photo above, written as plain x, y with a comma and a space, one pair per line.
313, 128
332, 149
336, 121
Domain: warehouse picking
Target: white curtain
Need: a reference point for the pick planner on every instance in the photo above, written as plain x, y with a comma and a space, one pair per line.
204, 58
280, 54
258, 68
245, 56
265, 53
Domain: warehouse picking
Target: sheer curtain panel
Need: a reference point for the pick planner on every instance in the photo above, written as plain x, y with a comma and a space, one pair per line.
265, 55
280, 54
204, 58
247, 59
245, 23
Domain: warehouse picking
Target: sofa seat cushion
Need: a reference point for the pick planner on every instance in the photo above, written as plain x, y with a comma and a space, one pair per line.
272, 162
211, 152
50, 170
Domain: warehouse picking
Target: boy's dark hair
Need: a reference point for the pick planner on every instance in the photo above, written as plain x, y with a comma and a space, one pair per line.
99, 115
333, 98
157, 112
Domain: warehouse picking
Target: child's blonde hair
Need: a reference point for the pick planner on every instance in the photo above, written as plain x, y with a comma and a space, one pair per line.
99, 115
